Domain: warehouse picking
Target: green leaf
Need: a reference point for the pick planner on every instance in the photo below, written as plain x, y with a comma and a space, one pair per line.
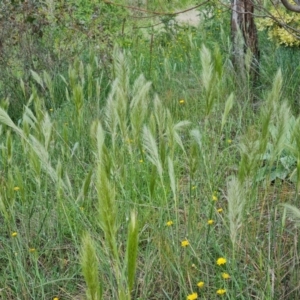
132, 250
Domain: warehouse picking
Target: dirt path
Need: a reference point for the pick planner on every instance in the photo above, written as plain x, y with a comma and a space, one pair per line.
190, 17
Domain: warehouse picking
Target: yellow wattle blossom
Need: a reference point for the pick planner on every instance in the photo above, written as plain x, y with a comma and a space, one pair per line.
14, 234
16, 188
192, 296
200, 284
221, 292
221, 261
278, 33
210, 222
219, 210
185, 243
169, 223
225, 276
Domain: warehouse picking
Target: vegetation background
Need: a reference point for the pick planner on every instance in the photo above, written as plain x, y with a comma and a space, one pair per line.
135, 164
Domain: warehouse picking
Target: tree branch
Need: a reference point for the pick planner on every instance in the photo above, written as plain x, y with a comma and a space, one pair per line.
290, 6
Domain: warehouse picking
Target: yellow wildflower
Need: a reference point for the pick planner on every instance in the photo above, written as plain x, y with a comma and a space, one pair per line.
169, 223
229, 141
225, 275
192, 296
210, 222
200, 284
214, 196
31, 250
219, 210
16, 188
55, 298
141, 161
14, 234
221, 292
185, 243
181, 101
221, 261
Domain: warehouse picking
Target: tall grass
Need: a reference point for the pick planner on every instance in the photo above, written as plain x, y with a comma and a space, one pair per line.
149, 192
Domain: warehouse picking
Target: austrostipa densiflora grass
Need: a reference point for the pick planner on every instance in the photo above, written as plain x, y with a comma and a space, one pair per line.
141, 191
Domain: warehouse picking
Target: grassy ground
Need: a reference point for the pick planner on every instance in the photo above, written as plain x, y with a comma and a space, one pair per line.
133, 189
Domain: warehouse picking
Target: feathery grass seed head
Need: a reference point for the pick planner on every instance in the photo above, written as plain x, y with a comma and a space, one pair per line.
89, 265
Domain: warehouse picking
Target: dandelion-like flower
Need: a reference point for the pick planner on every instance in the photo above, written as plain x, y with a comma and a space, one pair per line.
221, 291
16, 188
221, 261
185, 243
210, 222
214, 196
225, 275
55, 298
14, 234
200, 284
169, 223
181, 101
220, 210
192, 296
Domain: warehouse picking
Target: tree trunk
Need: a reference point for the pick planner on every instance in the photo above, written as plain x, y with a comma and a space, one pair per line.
244, 39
